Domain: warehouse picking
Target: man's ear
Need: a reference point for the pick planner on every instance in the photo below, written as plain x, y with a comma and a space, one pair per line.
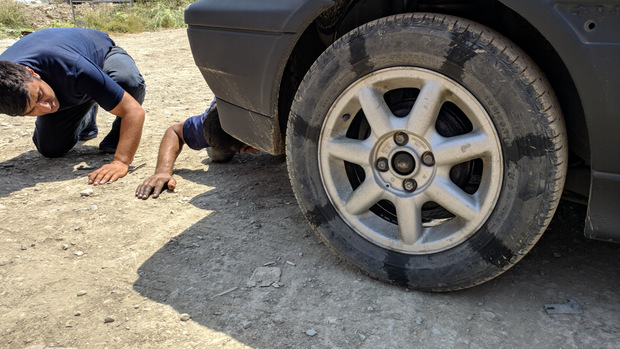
33, 73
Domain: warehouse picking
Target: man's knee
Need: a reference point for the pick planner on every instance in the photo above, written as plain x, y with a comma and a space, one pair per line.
52, 148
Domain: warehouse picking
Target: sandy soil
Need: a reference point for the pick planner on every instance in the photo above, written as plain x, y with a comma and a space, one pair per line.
106, 270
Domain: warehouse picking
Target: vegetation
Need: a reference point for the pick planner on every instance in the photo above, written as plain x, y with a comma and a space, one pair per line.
17, 18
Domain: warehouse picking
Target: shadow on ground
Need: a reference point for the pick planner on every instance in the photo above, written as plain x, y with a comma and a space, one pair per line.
325, 303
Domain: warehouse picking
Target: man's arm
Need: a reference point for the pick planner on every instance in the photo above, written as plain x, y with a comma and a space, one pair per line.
169, 149
132, 115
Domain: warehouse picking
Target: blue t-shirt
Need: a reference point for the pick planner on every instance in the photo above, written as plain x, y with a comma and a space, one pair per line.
70, 60
193, 130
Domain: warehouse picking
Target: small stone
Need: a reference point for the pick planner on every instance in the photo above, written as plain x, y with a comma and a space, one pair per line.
469, 317
370, 309
436, 331
79, 253
94, 207
64, 246
246, 323
419, 320
81, 293
24, 248
77, 313
311, 332
108, 319
362, 337
185, 317
87, 192
278, 319
71, 323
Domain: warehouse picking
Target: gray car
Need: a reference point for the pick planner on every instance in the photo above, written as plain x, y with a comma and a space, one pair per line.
428, 142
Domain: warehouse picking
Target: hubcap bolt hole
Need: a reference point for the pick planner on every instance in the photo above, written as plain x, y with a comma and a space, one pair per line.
428, 159
401, 138
382, 164
410, 185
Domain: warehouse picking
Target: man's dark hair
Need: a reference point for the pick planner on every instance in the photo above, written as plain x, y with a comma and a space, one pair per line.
14, 93
215, 136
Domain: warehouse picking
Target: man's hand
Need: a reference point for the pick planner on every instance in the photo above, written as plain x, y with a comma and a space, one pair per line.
108, 173
155, 184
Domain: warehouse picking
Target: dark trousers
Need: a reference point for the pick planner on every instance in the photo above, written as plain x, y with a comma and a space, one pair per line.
55, 134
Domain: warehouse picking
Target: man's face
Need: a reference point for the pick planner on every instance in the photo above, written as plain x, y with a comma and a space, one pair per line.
42, 98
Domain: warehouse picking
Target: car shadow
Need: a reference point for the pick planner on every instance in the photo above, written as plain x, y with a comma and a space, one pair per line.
30, 168
204, 272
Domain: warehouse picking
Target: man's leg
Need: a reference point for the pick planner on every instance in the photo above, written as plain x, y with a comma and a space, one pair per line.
123, 70
55, 134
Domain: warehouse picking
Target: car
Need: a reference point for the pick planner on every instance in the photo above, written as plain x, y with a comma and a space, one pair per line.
428, 142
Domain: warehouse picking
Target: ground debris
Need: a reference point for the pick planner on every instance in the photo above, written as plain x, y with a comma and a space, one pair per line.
570, 307
264, 277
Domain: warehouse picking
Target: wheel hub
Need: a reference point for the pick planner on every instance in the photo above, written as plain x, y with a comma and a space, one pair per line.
400, 162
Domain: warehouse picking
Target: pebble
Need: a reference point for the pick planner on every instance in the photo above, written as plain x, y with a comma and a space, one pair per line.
311, 332
24, 248
81, 293
71, 323
370, 309
246, 323
362, 337
64, 246
185, 317
79, 253
419, 320
108, 319
87, 192
436, 331
278, 319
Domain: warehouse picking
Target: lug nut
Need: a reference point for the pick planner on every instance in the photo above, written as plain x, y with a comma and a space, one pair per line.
382, 164
401, 138
410, 185
428, 159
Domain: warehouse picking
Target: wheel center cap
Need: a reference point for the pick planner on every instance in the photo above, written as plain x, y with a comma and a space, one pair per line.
403, 163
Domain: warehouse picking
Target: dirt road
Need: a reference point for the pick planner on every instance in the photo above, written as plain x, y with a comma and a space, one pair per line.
106, 270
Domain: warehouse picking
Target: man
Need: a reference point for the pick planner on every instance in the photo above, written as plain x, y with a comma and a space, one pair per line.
60, 75
198, 132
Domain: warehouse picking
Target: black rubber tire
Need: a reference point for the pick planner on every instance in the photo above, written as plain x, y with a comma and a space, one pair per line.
517, 98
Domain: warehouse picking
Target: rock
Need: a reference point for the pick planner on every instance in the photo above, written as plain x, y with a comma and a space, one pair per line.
265, 276
278, 319
419, 320
64, 246
246, 323
185, 317
71, 323
311, 332
79, 253
87, 192
81, 293
108, 319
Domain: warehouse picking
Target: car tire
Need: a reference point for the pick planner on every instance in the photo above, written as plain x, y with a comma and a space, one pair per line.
427, 150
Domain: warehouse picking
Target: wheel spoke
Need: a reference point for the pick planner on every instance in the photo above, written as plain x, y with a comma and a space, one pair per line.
458, 149
376, 110
426, 108
351, 150
364, 197
409, 220
447, 194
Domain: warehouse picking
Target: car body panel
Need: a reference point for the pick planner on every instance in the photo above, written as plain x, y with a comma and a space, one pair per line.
242, 47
